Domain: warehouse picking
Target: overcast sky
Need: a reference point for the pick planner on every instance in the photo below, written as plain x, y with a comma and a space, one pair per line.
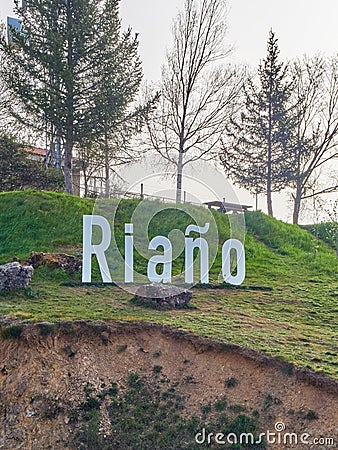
302, 27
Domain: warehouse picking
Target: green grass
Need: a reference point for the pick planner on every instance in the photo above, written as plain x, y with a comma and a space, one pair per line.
39, 221
294, 320
326, 231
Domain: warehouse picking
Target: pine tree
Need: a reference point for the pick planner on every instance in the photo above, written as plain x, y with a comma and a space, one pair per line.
68, 55
256, 154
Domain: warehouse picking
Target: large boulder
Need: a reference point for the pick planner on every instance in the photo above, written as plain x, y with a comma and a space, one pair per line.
15, 276
164, 295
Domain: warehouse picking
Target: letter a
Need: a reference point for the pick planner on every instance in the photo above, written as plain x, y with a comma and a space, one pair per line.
165, 259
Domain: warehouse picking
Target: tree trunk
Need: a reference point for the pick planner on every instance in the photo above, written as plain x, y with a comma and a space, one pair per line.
85, 182
106, 179
68, 151
296, 204
179, 177
68, 169
269, 180
106, 167
269, 159
269, 203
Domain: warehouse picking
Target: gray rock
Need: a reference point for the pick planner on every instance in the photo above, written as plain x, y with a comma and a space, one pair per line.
15, 276
164, 295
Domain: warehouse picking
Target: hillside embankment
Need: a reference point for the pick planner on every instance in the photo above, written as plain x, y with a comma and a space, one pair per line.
56, 386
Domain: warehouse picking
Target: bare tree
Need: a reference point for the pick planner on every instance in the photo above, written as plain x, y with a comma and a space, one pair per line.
101, 158
316, 131
198, 94
118, 144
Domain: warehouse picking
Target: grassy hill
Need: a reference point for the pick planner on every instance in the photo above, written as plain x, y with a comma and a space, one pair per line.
287, 306
326, 231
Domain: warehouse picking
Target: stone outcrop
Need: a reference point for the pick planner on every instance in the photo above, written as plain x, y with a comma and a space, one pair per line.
69, 263
164, 295
15, 276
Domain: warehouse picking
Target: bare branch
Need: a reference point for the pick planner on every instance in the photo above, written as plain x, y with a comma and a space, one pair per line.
198, 92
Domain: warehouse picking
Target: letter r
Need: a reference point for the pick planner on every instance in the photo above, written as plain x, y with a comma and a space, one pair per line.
89, 249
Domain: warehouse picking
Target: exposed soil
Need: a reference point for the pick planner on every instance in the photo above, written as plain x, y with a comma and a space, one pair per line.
44, 370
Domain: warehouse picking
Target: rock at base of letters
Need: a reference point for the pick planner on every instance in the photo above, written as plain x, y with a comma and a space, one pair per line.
164, 296
15, 276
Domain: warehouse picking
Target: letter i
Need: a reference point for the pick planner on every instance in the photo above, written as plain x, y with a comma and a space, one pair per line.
128, 253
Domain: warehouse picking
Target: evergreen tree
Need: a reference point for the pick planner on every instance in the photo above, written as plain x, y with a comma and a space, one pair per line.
256, 155
69, 55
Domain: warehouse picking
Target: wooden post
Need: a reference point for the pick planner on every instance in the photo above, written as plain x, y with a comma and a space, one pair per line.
142, 193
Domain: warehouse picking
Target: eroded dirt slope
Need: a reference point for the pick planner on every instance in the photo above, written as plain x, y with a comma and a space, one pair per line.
46, 368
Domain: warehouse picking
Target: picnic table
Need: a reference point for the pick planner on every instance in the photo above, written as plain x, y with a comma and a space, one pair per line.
226, 207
